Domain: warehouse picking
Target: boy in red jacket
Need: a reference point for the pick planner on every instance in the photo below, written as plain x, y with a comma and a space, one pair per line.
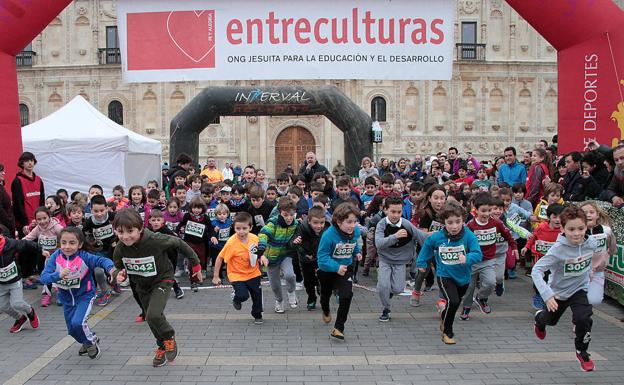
541, 241
486, 229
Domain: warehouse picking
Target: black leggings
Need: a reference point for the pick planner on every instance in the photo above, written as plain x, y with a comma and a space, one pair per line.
453, 294
344, 286
310, 281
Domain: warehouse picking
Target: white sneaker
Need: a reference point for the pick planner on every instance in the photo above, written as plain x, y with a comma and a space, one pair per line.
292, 300
299, 286
179, 273
279, 306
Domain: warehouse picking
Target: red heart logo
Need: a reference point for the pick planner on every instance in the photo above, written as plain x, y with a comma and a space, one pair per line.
192, 32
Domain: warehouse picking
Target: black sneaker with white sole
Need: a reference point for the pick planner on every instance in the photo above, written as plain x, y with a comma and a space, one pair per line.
83, 348
93, 351
237, 305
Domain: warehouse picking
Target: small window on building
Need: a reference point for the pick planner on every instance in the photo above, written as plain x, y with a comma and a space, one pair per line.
24, 115
378, 109
115, 111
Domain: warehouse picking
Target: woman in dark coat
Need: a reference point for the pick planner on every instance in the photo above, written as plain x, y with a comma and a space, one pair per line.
6, 208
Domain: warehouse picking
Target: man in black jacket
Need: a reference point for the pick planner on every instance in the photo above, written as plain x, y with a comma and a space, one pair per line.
311, 167
572, 181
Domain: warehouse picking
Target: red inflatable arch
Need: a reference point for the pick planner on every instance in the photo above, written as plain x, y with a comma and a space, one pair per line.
588, 34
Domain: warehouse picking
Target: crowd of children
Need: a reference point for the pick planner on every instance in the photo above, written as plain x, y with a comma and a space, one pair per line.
82, 248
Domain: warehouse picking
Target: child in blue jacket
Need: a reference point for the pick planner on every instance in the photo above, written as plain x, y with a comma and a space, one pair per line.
337, 248
71, 268
455, 249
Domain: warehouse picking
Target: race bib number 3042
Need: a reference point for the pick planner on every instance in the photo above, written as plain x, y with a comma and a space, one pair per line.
449, 255
144, 267
577, 266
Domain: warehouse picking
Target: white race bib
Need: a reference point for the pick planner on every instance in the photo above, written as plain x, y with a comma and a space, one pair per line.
47, 243
8, 273
542, 247
211, 214
542, 212
72, 281
601, 240
259, 220
102, 233
224, 234
343, 250
577, 266
449, 255
253, 255
486, 237
145, 267
195, 229
435, 226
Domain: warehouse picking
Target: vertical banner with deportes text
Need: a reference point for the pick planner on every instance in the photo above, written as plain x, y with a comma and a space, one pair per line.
164, 40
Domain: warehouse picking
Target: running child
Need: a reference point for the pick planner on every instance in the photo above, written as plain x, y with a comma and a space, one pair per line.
143, 256
337, 250
71, 269
274, 245
306, 242
197, 230
396, 240
259, 210
543, 238
552, 195
12, 253
569, 261
455, 249
240, 253
157, 225
597, 227
222, 230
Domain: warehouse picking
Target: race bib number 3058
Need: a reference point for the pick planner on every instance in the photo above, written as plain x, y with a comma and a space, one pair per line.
343, 250
449, 255
144, 267
577, 266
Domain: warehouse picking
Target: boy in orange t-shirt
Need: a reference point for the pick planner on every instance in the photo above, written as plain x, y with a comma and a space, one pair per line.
240, 253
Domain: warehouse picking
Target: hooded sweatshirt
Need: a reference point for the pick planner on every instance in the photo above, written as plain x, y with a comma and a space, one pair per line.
569, 266
80, 281
445, 248
392, 250
147, 261
10, 251
46, 237
337, 249
310, 241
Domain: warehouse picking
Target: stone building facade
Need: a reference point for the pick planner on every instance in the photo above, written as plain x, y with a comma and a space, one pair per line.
503, 91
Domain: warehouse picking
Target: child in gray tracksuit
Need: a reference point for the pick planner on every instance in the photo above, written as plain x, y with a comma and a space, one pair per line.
395, 239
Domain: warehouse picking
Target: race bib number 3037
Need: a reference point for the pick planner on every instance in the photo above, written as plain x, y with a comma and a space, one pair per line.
144, 267
577, 266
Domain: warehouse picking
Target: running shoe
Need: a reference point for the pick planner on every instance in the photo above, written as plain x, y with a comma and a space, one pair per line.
171, 349
93, 351
385, 316
299, 286
292, 300
465, 314
18, 325
448, 340
415, 298
179, 293
327, 318
45, 299
258, 321
140, 318
237, 305
500, 289
83, 349
311, 306
511, 274
483, 305
587, 365
539, 333
104, 299
194, 287
337, 334
28, 284
116, 289
33, 318
160, 359
279, 307
441, 305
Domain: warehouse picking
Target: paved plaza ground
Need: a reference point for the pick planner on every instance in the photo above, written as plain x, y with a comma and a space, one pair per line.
219, 345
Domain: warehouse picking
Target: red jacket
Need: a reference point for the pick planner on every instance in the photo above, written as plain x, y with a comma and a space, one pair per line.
28, 195
534, 185
486, 235
542, 239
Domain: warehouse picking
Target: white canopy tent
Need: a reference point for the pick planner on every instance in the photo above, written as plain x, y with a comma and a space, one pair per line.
77, 146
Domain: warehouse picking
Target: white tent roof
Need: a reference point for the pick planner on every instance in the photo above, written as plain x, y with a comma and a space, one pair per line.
78, 126
77, 146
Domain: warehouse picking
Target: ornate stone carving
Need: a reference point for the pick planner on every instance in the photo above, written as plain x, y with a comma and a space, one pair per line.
467, 7
496, 127
82, 52
498, 147
484, 146
411, 147
524, 48
468, 126
524, 128
252, 119
411, 127
81, 11
439, 128
426, 147
55, 53
496, 3
212, 149
496, 47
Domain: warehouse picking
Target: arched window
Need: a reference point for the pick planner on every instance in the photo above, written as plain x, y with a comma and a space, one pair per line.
24, 118
378, 109
115, 111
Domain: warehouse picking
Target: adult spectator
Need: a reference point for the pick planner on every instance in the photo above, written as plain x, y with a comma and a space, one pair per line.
384, 167
212, 172
367, 169
512, 171
238, 171
164, 170
227, 172
339, 170
401, 169
526, 159
28, 192
6, 208
594, 176
417, 169
456, 160
572, 179
615, 191
311, 167
183, 163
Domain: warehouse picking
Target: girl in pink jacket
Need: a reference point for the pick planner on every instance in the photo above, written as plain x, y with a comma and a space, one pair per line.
46, 234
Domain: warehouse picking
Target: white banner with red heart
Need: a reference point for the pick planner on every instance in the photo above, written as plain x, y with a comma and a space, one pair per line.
165, 40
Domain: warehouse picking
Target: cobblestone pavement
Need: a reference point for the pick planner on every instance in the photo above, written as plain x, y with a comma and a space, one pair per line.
219, 345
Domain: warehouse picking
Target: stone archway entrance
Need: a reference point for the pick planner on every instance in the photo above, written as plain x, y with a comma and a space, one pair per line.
291, 146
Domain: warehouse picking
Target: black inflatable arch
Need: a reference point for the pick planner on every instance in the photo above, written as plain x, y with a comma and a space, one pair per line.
273, 101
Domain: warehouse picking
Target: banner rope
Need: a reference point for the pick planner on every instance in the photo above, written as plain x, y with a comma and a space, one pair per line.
617, 77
